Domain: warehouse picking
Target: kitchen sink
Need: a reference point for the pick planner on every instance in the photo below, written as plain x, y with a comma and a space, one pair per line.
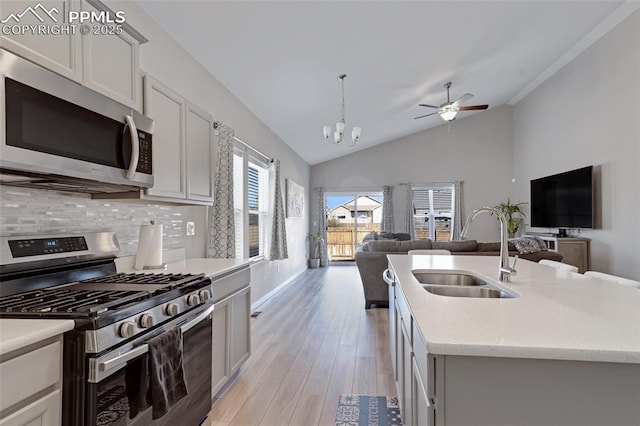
449, 279
477, 292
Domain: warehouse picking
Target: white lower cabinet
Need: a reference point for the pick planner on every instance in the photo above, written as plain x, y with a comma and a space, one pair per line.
30, 386
45, 411
231, 327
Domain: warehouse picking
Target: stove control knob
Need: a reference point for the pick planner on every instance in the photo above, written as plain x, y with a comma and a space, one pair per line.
145, 321
171, 309
204, 295
127, 329
193, 300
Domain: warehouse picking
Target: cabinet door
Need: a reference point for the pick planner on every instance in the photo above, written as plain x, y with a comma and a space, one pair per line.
167, 109
220, 357
423, 414
199, 137
45, 411
392, 332
110, 63
407, 380
60, 53
240, 342
574, 253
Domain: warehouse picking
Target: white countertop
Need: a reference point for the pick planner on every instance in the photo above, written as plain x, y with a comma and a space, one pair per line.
18, 333
212, 268
559, 315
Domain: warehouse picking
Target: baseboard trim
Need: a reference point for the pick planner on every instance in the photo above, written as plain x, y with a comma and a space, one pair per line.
273, 292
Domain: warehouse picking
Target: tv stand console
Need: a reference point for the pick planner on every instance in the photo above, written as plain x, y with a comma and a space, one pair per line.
575, 251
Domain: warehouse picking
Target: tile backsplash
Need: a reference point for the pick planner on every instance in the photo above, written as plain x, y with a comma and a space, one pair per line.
26, 211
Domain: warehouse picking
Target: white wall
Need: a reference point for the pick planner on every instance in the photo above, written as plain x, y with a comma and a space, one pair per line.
589, 114
168, 62
477, 149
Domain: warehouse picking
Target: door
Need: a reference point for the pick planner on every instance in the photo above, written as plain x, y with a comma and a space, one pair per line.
351, 216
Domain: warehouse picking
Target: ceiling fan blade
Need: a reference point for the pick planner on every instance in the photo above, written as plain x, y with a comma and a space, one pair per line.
428, 106
472, 107
422, 116
462, 99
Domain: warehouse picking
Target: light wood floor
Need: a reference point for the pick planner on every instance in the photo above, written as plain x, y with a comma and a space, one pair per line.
312, 342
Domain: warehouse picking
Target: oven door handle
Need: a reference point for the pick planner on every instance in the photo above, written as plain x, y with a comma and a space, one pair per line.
104, 367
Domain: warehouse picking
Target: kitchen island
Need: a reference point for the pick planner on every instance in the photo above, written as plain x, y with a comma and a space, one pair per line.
565, 351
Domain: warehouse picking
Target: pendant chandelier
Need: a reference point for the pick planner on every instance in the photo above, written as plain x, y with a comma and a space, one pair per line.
338, 134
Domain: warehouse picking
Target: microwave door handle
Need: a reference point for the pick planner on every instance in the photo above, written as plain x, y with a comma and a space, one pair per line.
135, 147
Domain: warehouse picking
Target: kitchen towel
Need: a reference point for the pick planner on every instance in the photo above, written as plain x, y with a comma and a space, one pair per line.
149, 246
168, 384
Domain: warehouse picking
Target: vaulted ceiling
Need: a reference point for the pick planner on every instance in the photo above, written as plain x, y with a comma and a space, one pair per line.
282, 58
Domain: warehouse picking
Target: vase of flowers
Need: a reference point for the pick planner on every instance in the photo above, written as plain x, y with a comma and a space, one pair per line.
514, 215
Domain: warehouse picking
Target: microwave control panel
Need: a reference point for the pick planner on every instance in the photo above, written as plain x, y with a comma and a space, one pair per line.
145, 157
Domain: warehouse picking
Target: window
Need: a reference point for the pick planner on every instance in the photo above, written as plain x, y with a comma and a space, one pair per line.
433, 211
250, 202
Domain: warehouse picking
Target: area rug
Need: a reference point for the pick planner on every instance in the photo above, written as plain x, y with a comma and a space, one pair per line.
365, 410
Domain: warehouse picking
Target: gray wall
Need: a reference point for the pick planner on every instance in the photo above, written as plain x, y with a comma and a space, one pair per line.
589, 114
476, 149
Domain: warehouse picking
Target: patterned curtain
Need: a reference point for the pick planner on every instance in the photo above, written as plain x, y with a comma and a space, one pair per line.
222, 230
458, 214
410, 226
387, 209
278, 246
322, 227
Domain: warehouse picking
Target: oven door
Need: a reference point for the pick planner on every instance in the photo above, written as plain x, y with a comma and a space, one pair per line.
57, 127
106, 393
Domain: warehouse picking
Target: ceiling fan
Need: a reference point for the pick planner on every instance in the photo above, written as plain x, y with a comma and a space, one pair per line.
448, 110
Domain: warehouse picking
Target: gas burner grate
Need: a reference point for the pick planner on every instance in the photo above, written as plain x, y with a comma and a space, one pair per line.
67, 301
171, 280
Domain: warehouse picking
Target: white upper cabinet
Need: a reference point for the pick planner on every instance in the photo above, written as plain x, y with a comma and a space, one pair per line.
199, 140
60, 53
100, 55
166, 108
110, 62
182, 147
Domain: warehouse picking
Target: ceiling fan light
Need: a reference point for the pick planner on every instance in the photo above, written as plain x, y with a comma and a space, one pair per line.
326, 131
355, 133
448, 115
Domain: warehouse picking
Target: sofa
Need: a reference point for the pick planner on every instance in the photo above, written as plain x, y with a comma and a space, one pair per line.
371, 259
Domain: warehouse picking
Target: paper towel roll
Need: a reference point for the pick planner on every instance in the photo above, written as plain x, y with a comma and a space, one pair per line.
149, 246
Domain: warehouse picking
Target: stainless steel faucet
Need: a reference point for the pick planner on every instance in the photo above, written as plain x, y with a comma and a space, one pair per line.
506, 271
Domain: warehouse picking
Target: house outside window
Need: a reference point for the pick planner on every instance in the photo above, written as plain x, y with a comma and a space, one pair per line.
250, 202
433, 210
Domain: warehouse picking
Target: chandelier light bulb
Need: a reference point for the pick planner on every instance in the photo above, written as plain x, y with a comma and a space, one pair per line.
326, 130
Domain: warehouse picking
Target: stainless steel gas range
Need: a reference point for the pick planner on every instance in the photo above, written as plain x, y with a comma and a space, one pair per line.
117, 316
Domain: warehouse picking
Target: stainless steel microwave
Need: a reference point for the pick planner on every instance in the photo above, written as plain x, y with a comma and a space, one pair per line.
59, 135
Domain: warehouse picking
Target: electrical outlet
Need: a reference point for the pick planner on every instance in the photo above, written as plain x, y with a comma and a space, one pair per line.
191, 229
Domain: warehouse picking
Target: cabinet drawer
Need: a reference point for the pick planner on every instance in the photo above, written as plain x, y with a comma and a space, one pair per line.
405, 314
45, 411
28, 374
224, 286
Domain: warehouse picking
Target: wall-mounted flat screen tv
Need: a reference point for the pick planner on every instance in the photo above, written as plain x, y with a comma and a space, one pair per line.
564, 200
